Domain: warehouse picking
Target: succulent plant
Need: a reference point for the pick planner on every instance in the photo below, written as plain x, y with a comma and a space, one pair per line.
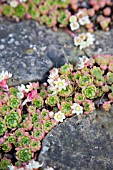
85, 80
4, 163
20, 10
89, 91
48, 125
13, 118
3, 127
109, 78
22, 128
14, 102
38, 134
52, 100
6, 146
66, 69
66, 108
24, 154
79, 98
38, 102
35, 145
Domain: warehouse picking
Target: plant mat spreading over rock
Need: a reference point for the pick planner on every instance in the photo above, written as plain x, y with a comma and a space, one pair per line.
29, 112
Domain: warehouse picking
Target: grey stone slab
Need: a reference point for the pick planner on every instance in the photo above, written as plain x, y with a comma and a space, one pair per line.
29, 50
80, 144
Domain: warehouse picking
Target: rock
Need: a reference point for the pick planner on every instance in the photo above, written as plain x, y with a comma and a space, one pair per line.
29, 51
80, 144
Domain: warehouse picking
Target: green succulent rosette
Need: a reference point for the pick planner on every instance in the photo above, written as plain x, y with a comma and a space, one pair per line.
31, 109
14, 102
109, 78
66, 92
6, 146
44, 115
11, 139
48, 125
38, 102
38, 133
66, 69
35, 117
99, 92
37, 125
12, 119
37, 2
4, 96
20, 11
33, 11
13, 91
43, 93
89, 92
35, 145
24, 154
4, 109
19, 132
4, 163
85, 70
52, 100
77, 75
24, 140
3, 127
66, 108
63, 17
96, 72
79, 98
7, 10
85, 80
62, 4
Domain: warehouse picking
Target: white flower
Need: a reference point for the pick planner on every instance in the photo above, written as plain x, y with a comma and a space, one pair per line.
53, 73
84, 40
5, 75
11, 167
59, 116
90, 38
84, 44
84, 20
78, 40
80, 14
24, 102
80, 65
13, 3
84, 59
21, 88
51, 114
20, 95
74, 26
77, 108
60, 84
29, 87
73, 18
33, 165
63, 0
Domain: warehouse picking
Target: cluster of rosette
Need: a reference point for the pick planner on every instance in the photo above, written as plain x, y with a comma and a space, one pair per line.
24, 121
56, 13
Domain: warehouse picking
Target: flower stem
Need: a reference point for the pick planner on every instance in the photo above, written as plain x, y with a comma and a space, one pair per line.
69, 32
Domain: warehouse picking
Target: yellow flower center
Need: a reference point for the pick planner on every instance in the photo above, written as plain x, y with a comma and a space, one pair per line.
77, 108
60, 84
59, 116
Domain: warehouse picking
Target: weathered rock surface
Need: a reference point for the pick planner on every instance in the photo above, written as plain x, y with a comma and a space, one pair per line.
29, 51
87, 145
